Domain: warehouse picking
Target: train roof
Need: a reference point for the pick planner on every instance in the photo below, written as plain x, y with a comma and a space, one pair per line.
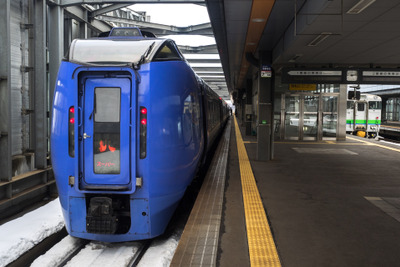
370, 97
116, 50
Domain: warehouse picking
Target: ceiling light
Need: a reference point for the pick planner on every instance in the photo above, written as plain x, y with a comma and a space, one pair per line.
319, 39
258, 20
360, 6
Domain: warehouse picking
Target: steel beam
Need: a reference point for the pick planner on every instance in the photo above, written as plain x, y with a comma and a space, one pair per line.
40, 85
91, 2
205, 49
161, 29
80, 14
207, 69
203, 60
107, 9
5, 92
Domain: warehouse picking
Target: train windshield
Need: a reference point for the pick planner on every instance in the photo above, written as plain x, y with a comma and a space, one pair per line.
375, 105
109, 51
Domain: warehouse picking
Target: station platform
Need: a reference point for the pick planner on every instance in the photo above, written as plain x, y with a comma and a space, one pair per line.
327, 204
390, 128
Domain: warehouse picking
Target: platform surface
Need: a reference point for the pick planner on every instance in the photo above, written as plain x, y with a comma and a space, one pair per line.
325, 203
328, 203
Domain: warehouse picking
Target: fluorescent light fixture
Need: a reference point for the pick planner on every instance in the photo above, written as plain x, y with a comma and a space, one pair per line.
258, 20
319, 38
360, 6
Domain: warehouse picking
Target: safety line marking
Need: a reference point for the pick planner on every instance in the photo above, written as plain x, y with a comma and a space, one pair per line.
262, 249
372, 144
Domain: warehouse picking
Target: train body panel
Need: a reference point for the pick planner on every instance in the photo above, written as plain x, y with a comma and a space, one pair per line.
126, 140
364, 114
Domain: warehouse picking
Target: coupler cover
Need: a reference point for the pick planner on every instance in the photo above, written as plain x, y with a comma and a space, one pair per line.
101, 218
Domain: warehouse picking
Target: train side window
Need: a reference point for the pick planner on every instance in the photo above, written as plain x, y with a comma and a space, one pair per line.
167, 52
360, 107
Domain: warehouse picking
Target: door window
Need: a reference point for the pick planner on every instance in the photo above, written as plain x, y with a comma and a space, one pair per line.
106, 140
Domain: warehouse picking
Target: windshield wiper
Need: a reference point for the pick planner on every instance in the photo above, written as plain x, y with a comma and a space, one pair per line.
144, 56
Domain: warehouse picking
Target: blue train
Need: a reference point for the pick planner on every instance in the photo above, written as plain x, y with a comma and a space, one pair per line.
131, 124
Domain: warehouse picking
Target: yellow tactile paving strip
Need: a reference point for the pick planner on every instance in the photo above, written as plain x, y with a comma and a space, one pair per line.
262, 249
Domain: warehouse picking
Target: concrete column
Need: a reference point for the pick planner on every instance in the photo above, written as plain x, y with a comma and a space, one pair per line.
342, 106
265, 108
384, 116
40, 87
5, 92
248, 106
56, 44
83, 28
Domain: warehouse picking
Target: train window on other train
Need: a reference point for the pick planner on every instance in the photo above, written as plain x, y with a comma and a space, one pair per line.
360, 107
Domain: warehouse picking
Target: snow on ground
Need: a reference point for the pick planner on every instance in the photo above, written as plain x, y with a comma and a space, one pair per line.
105, 255
21, 234
56, 255
160, 253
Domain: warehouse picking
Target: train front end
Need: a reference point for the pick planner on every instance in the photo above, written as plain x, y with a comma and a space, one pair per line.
103, 122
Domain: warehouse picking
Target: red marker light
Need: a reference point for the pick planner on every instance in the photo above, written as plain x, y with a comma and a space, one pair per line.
72, 110
143, 132
72, 120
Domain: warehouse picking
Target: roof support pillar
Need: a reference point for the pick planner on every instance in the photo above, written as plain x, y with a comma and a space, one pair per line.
56, 44
5, 92
341, 129
265, 119
248, 106
40, 87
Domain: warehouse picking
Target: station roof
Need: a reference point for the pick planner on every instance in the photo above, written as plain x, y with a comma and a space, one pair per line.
323, 33
295, 33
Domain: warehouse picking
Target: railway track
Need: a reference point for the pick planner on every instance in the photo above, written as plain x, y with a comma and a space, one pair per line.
75, 252
71, 252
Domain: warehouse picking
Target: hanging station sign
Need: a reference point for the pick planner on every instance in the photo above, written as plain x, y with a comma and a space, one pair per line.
340, 76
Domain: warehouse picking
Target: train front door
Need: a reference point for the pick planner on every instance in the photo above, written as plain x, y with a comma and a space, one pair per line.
105, 132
